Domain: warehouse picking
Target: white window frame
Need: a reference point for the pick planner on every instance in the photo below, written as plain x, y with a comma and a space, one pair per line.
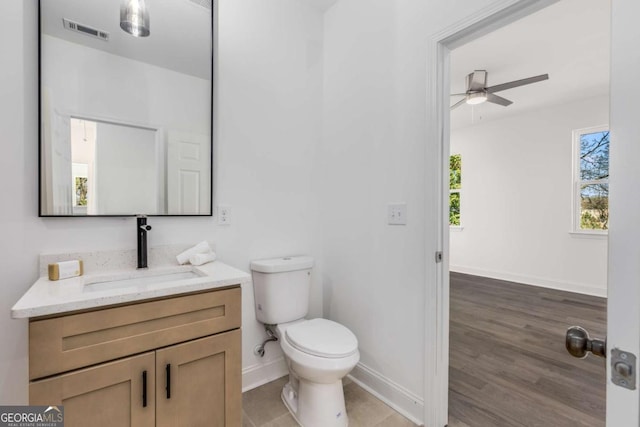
578, 183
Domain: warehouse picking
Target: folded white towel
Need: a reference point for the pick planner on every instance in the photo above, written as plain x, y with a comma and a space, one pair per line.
200, 248
199, 259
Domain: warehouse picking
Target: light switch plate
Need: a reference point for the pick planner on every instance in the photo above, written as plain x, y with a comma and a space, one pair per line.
397, 214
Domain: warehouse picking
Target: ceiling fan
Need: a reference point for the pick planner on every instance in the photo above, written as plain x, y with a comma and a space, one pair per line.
478, 92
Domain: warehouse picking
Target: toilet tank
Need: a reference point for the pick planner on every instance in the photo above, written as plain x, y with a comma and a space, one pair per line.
281, 288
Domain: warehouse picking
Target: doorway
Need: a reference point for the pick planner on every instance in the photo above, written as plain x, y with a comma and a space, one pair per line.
528, 244
457, 35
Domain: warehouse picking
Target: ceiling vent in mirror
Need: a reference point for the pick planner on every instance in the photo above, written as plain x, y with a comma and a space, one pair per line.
204, 3
86, 30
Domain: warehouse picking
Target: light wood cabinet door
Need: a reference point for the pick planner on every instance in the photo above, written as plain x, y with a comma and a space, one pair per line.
198, 383
107, 395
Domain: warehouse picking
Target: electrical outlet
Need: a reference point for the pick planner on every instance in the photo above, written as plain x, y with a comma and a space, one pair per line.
224, 215
397, 214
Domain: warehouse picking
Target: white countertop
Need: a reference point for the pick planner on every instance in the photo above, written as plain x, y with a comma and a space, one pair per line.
47, 297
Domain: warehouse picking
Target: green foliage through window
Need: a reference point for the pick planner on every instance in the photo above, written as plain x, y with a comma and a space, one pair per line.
455, 172
81, 191
455, 183
454, 209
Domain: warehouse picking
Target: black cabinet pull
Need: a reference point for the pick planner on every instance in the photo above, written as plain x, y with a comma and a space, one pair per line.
144, 389
168, 380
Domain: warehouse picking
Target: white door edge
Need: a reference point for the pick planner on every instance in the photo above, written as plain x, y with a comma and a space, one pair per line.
623, 275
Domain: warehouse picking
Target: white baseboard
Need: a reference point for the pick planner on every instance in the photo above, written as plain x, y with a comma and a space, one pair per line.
261, 373
394, 395
531, 280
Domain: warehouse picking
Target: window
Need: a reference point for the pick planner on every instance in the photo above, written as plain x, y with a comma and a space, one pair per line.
455, 186
591, 180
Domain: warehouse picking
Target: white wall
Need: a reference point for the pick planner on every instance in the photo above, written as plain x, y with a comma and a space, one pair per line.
18, 184
373, 154
267, 122
126, 183
268, 125
517, 200
81, 80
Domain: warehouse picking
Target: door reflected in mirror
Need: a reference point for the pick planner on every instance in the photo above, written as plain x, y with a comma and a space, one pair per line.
125, 121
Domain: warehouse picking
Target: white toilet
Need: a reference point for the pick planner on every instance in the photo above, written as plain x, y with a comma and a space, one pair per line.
319, 352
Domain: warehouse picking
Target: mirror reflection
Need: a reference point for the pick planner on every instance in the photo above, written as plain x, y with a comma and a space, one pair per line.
125, 107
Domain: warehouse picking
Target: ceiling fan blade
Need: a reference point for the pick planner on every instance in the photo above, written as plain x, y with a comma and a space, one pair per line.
459, 94
498, 100
477, 80
459, 103
516, 83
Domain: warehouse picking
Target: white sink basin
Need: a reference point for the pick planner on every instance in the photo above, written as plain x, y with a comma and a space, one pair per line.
149, 279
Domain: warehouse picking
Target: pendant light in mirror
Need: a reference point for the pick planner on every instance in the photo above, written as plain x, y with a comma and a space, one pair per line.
134, 17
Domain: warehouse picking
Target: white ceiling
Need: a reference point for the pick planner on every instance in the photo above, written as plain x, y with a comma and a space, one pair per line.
569, 40
180, 37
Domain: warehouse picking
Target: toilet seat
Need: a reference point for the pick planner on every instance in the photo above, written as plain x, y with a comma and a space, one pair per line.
322, 338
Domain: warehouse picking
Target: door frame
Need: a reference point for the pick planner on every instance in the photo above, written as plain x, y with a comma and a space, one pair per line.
436, 349
623, 292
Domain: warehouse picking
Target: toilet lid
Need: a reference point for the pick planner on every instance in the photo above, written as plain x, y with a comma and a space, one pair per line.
322, 337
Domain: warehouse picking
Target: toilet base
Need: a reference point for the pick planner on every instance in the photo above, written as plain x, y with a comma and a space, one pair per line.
315, 404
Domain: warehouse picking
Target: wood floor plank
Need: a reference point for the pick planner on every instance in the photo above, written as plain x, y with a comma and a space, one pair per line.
508, 364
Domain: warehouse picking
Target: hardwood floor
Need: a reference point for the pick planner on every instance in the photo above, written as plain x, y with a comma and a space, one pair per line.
508, 364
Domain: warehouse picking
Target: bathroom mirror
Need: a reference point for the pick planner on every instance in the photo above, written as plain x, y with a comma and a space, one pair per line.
125, 107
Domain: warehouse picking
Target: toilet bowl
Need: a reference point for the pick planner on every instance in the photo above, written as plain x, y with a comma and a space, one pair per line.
319, 354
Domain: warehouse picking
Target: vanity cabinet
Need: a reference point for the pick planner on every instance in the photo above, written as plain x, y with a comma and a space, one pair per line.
166, 362
110, 394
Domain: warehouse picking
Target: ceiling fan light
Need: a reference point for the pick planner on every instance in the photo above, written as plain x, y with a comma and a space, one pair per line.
476, 98
134, 17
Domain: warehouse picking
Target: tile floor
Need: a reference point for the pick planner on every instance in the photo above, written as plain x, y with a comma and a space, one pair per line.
262, 407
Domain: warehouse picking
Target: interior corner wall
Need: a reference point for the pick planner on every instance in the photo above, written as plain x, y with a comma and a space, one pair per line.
372, 154
516, 200
267, 126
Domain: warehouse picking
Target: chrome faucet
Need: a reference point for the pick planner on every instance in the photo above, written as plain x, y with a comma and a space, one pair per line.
141, 230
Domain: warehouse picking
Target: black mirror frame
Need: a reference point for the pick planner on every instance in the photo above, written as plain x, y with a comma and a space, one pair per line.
40, 214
